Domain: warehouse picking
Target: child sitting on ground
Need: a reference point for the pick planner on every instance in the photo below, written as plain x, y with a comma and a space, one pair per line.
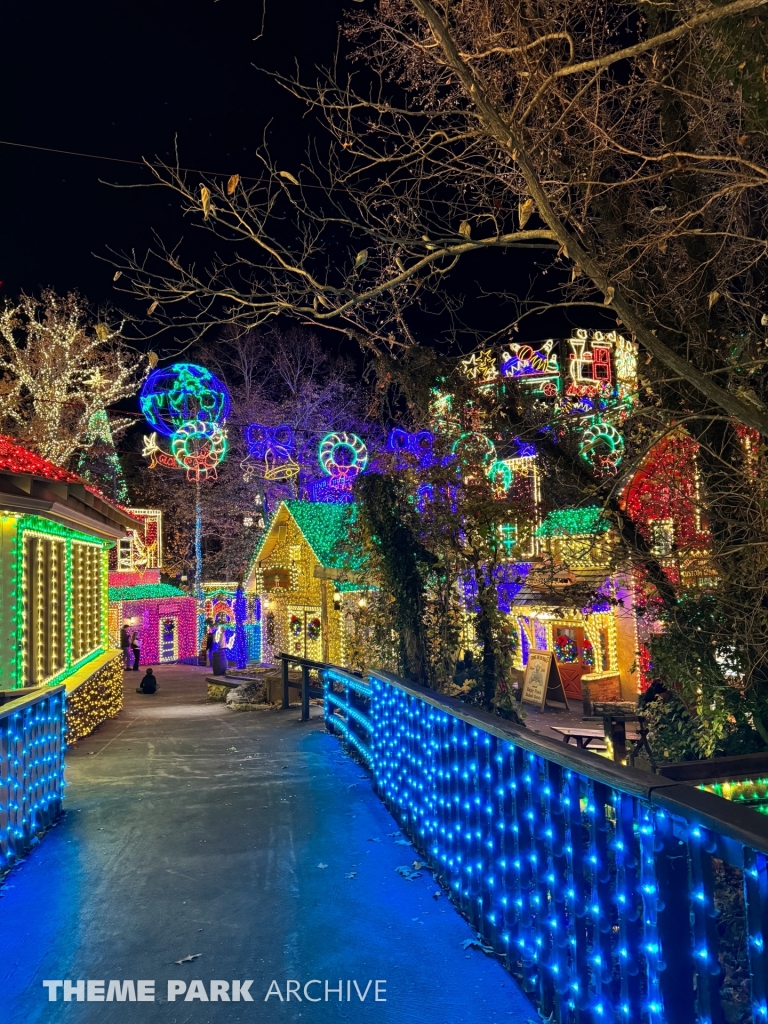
148, 684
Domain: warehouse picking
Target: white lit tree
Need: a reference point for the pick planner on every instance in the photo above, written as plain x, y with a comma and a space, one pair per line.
60, 367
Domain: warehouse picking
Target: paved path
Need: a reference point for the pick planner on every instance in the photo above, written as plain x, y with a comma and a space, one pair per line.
190, 829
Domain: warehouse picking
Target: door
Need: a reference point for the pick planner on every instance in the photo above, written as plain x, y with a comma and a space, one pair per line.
305, 632
568, 644
168, 645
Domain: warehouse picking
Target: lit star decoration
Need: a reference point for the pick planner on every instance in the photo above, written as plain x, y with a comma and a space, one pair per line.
480, 367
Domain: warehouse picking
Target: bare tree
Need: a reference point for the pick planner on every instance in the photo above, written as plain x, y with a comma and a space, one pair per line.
624, 144
59, 371
522, 126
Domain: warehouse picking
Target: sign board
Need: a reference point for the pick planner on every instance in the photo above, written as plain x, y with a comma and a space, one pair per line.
542, 681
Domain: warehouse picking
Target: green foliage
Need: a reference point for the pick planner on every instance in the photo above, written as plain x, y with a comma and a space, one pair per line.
710, 711
400, 561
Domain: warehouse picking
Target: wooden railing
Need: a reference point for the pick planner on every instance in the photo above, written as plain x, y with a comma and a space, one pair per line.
305, 686
607, 891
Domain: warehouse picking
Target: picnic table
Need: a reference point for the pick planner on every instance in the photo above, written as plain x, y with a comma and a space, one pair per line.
582, 736
613, 732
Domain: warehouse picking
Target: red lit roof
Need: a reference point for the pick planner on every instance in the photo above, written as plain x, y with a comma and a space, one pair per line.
16, 459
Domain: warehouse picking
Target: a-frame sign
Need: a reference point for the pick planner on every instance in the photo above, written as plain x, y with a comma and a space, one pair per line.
542, 683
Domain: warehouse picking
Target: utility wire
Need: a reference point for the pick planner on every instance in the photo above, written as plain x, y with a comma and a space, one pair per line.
112, 159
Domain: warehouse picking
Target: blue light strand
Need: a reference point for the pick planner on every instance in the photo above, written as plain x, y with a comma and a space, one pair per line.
557, 871
31, 772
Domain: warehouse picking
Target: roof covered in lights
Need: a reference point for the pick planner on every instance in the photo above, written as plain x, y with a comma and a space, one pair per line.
573, 522
15, 459
54, 490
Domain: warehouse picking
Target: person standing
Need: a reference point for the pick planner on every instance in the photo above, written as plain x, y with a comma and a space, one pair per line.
125, 645
208, 647
135, 651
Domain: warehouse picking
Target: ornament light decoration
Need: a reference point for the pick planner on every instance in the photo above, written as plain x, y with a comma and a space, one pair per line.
175, 395
199, 446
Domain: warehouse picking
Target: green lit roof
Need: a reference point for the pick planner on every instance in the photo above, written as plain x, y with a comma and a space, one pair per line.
572, 522
324, 525
145, 591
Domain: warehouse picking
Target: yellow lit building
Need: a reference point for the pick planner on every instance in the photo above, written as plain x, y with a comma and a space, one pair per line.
55, 534
306, 582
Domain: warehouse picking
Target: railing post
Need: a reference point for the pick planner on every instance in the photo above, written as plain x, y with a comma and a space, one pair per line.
286, 700
673, 916
305, 693
756, 900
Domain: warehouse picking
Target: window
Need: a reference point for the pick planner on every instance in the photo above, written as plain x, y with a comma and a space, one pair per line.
662, 537
605, 651
44, 614
86, 599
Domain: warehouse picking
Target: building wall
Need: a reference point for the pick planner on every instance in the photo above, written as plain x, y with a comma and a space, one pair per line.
53, 584
300, 595
144, 616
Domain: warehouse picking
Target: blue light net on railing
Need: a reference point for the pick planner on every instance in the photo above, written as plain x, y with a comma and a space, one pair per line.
31, 772
601, 903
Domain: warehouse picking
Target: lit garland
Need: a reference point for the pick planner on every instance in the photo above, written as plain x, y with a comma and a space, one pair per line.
94, 699
240, 645
752, 792
587, 653
144, 592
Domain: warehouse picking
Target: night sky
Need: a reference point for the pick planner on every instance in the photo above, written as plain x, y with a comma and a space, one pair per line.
121, 79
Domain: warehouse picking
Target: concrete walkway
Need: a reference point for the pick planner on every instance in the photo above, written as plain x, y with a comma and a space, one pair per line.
193, 829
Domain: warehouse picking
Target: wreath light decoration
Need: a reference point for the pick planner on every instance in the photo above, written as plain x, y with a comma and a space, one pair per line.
588, 653
313, 629
199, 446
566, 649
330, 450
296, 626
600, 432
